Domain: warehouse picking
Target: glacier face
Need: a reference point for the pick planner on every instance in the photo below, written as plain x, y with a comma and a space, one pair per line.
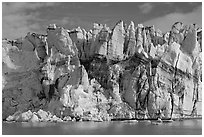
102, 74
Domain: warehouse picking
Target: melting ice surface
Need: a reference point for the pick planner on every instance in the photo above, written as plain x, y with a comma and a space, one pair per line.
187, 127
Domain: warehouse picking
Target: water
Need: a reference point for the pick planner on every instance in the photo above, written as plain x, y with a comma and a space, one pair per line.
189, 127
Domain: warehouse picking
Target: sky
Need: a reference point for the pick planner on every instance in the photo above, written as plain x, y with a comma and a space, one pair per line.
18, 18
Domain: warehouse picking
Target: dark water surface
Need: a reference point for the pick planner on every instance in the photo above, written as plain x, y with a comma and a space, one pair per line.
189, 127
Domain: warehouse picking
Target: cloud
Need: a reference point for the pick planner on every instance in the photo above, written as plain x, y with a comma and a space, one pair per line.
146, 8
12, 7
63, 21
15, 26
164, 23
104, 4
17, 21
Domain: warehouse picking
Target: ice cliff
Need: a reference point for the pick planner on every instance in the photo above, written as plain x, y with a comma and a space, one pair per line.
130, 71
